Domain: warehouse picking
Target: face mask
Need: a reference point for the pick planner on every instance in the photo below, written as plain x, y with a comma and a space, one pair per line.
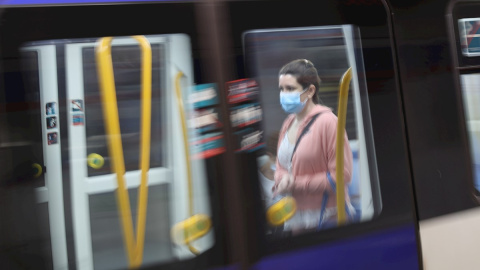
291, 101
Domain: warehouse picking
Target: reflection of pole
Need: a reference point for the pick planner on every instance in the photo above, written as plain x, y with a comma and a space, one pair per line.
342, 116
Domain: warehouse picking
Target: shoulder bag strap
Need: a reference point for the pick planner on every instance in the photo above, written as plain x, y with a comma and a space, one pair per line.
304, 131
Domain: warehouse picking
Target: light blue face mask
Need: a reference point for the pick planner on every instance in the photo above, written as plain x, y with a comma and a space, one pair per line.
291, 102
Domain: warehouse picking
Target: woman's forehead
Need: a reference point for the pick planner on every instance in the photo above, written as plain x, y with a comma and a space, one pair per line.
287, 79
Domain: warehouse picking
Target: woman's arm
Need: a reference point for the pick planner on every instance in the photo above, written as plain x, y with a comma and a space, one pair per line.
315, 183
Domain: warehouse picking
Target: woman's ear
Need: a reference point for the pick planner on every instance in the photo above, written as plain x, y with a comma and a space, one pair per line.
311, 90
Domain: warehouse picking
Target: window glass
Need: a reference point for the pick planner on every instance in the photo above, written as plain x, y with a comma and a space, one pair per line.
35, 159
303, 54
64, 75
471, 96
126, 65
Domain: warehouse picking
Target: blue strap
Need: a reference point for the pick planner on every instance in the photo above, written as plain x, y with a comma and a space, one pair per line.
332, 183
334, 188
325, 200
322, 210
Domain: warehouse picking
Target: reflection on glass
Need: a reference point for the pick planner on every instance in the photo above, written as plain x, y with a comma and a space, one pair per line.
298, 72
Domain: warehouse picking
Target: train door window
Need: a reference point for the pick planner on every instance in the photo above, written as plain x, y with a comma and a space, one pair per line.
176, 210
331, 50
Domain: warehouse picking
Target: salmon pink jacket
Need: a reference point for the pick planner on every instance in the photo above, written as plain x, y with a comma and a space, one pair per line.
313, 158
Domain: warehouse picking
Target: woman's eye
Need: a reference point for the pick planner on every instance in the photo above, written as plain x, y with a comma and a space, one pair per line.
288, 88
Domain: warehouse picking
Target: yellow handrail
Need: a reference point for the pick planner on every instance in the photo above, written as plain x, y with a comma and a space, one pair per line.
342, 115
178, 92
134, 249
144, 143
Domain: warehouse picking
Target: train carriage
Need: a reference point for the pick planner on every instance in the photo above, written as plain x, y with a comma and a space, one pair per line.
132, 133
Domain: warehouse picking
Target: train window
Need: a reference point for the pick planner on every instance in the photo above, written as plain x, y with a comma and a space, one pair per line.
330, 51
468, 51
97, 133
471, 95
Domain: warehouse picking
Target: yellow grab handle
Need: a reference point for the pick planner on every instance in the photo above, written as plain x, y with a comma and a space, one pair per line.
191, 229
38, 170
134, 249
182, 226
95, 161
181, 110
342, 116
146, 123
281, 211
186, 148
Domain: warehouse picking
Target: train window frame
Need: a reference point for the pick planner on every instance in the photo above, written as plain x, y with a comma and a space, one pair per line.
83, 183
53, 14
380, 70
364, 151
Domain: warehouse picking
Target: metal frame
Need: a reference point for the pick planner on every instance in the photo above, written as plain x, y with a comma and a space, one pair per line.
52, 192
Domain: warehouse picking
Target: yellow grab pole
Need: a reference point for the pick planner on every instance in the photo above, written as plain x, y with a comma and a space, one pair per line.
178, 92
342, 116
110, 116
134, 249
144, 143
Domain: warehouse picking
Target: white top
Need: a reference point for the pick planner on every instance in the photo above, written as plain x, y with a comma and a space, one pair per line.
306, 219
285, 152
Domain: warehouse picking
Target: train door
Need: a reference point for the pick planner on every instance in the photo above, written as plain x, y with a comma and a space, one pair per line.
97, 236
87, 223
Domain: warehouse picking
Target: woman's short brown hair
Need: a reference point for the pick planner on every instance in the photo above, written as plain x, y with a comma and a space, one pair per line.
305, 73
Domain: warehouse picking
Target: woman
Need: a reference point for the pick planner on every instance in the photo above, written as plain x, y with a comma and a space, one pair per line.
303, 173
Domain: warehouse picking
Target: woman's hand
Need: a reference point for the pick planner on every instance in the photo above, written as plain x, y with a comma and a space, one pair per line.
285, 185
